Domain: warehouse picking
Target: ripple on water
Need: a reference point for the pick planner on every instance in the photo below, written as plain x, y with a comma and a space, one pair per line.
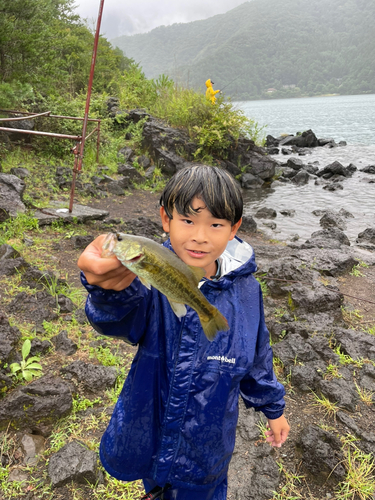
357, 197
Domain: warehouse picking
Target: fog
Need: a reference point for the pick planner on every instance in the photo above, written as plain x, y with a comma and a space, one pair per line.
129, 17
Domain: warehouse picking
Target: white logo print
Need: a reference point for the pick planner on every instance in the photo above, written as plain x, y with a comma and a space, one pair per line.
222, 359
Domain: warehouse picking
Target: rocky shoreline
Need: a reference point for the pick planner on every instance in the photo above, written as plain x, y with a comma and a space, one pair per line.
326, 362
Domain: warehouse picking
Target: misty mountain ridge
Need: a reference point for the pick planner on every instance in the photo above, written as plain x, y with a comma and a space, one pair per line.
267, 48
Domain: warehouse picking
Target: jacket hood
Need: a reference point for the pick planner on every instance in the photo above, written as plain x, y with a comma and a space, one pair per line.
238, 259
208, 83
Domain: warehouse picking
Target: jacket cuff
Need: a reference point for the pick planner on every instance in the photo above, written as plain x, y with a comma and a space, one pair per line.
272, 415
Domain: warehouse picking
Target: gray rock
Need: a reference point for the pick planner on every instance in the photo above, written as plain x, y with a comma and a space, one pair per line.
9, 337
356, 344
8, 252
248, 224
370, 169
20, 172
82, 241
333, 187
260, 166
288, 173
32, 446
316, 299
284, 272
306, 377
130, 172
39, 347
332, 219
64, 344
332, 263
150, 172
115, 188
327, 238
253, 473
250, 181
144, 161
340, 391
73, 462
295, 163
126, 154
93, 377
37, 308
367, 236
306, 139
11, 192
302, 177
265, 213
37, 406
40, 280
288, 213
321, 455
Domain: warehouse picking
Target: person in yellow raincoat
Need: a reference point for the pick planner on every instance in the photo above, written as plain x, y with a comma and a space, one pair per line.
210, 92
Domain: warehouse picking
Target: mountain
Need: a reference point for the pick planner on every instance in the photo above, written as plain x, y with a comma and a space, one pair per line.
267, 48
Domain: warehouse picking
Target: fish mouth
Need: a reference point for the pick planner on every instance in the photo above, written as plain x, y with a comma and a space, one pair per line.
135, 259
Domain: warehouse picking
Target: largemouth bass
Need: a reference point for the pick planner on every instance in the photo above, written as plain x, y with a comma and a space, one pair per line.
157, 266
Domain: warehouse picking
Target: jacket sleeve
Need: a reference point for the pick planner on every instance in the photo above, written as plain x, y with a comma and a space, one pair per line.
260, 388
118, 314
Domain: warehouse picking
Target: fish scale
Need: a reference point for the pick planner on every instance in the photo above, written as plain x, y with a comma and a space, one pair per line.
157, 266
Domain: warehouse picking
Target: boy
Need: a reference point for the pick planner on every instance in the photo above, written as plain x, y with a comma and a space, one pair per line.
175, 421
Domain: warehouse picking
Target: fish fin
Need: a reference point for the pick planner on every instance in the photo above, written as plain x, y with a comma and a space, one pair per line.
216, 323
198, 272
108, 246
145, 282
178, 308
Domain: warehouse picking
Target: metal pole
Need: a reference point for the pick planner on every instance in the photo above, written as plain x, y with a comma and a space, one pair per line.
86, 117
98, 143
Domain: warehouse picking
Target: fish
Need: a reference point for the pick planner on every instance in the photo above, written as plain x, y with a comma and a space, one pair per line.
157, 266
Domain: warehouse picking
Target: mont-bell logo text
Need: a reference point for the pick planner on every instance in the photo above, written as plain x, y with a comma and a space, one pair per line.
222, 359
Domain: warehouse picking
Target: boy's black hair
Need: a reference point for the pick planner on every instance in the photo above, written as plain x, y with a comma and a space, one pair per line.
216, 187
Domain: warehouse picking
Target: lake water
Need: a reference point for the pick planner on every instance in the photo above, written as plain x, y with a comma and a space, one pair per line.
344, 118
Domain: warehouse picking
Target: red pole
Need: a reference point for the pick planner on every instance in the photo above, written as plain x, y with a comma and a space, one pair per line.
86, 117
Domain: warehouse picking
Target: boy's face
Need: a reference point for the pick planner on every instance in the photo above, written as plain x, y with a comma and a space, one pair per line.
199, 239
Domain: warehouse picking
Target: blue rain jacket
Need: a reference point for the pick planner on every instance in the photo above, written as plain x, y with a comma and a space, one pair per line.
175, 419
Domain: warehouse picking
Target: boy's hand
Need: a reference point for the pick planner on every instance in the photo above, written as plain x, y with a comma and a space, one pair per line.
108, 273
278, 431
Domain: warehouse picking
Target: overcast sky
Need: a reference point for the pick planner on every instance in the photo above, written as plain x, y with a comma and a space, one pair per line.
128, 17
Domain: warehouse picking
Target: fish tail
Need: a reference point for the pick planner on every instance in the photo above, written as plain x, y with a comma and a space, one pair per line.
216, 323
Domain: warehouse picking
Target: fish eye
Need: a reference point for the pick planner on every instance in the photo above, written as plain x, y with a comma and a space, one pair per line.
119, 237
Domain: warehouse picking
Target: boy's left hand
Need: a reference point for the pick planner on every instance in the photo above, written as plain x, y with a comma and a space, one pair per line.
278, 430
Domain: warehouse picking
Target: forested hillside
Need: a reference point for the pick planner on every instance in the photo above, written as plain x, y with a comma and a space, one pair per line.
46, 48
267, 48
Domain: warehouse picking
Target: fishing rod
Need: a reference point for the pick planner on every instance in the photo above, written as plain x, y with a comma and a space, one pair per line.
225, 86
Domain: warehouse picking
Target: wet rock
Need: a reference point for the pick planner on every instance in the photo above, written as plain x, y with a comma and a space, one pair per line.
253, 473
344, 213
142, 226
32, 445
306, 377
9, 337
306, 140
311, 169
335, 168
340, 391
293, 349
248, 224
265, 213
301, 178
115, 188
231, 167
38, 308
37, 406
286, 151
333, 187
64, 344
295, 163
128, 171
321, 455
367, 379
82, 241
288, 173
284, 272
370, 169
80, 316
333, 263
367, 236
73, 462
288, 213
327, 238
92, 377
39, 347
250, 181
259, 165
273, 151
271, 141
332, 219
316, 299
11, 193
356, 344
326, 141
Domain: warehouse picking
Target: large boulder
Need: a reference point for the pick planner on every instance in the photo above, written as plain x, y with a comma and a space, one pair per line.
93, 377
306, 140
